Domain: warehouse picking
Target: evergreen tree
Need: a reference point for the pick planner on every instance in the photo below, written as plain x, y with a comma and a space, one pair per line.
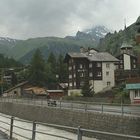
87, 90
62, 69
37, 73
52, 62
51, 71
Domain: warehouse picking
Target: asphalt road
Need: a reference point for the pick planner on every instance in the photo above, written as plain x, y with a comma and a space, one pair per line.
92, 107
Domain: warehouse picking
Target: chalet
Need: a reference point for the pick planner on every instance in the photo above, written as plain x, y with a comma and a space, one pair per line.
133, 85
128, 61
27, 90
97, 66
127, 67
16, 90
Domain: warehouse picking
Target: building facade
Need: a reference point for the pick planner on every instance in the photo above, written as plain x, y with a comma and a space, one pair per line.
127, 67
98, 67
133, 85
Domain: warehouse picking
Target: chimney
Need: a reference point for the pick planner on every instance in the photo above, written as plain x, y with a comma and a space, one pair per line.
82, 50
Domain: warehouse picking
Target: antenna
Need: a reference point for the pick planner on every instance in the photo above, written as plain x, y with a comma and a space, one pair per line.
125, 23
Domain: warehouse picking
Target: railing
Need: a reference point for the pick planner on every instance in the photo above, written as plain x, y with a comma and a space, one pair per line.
122, 109
10, 121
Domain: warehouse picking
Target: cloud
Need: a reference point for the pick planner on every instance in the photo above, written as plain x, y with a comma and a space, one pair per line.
29, 18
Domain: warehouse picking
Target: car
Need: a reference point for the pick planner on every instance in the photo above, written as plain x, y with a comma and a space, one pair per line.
52, 102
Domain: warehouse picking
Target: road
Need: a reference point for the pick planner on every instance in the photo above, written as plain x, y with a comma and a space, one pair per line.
92, 107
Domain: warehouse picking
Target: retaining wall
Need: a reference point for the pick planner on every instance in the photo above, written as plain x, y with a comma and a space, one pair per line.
90, 120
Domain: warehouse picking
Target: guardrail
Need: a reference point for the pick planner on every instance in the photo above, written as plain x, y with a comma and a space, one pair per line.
34, 131
123, 109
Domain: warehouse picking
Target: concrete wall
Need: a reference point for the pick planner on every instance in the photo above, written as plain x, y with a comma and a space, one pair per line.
127, 62
97, 121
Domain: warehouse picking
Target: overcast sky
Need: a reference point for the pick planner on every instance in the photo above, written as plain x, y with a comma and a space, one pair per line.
24, 19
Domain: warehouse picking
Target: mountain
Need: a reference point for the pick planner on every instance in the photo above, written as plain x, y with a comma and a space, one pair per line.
92, 35
23, 50
6, 44
113, 41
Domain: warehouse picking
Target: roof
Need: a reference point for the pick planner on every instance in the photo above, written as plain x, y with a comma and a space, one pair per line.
126, 45
76, 55
133, 86
36, 90
54, 91
97, 56
102, 56
16, 86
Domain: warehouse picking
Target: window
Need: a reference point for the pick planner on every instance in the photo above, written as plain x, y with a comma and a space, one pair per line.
70, 84
98, 64
74, 75
107, 73
107, 65
81, 66
90, 74
81, 74
74, 67
70, 76
90, 65
134, 61
137, 93
134, 66
99, 73
70, 68
108, 83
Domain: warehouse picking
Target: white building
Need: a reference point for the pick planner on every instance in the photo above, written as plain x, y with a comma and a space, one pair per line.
97, 66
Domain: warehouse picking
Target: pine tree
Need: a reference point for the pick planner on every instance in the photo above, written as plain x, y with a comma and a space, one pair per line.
62, 69
87, 90
37, 73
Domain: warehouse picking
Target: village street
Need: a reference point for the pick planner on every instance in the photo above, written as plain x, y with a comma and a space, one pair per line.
82, 106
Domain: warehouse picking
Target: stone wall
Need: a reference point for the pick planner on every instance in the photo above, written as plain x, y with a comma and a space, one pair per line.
97, 121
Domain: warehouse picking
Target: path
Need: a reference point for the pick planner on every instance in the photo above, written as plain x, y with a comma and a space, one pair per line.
3, 136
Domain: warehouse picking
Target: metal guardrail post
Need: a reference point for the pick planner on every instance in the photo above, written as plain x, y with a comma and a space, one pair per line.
85, 107
34, 131
102, 108
60, 104
11, 127
122, 109
71, 106
79, 134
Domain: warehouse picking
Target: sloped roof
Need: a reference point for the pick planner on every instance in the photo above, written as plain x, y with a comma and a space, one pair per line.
126, 45
16, 86
36, 90
97, 56
102, 56
76, 55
